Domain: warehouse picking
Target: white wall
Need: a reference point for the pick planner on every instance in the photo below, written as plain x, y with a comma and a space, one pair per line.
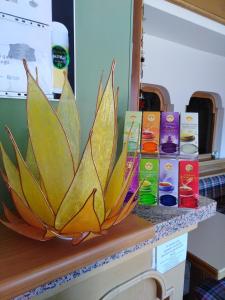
182, 71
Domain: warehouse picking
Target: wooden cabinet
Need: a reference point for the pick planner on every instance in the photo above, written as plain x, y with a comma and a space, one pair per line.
128, 279
214, 10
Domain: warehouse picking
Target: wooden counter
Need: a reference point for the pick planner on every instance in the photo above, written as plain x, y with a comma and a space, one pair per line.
26, 264
118, 266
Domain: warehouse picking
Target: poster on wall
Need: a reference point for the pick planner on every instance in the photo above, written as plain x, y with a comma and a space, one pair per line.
35, 10
24, 39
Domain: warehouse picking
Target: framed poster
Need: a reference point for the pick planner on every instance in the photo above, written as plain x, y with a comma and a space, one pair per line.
36, 10
25, 34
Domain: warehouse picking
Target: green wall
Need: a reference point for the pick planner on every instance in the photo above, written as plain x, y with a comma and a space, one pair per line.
103, 32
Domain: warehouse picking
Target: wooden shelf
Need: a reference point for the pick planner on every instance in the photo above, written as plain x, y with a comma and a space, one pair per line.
26, 264
212, 167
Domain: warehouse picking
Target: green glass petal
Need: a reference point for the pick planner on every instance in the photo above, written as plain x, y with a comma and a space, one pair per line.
85, 181
103, 132
50, 145
68, 115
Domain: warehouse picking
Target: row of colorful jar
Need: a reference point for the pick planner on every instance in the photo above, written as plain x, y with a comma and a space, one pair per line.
167, 133
167, 182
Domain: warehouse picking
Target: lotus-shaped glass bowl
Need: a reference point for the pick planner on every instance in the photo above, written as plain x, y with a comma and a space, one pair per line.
55, 192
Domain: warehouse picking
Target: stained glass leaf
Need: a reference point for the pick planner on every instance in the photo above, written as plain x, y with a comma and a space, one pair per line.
68, 115
109, 222
31, 189
116, 97
49, 143
48, 235
12, 173
103, 131
119, 201
126, 210
25, 212
86, 220
116, 181
20, 227
85, 181
100, 93
78, 240
31, 161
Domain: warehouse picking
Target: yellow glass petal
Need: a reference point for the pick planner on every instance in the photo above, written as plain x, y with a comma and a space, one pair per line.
119, 201
31, 161
68, 115
25, 212
86, 220
109, 222
49, 235
12, 173
116, 181
85, 181
116, 97
77, 240
20, 227
37, 75
100, 93
86, 237
103, 131
5, 179
50, 145
127, 209
31, 190
124, 212
30, 158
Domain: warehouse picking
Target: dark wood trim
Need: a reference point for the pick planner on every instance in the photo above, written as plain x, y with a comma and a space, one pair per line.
207, 95
202, 265
204, 9
212, 167
165, 104
136, 54
214, 98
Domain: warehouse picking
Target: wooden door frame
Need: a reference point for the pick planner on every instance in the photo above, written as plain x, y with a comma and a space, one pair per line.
136, 53
216, 110
161, 92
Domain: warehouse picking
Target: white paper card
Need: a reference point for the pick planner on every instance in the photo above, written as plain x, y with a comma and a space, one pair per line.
35, 10
20, 41
171, 253
153, 259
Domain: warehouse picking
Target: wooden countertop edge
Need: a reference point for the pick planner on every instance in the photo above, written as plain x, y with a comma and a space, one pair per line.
203, 265
26, 281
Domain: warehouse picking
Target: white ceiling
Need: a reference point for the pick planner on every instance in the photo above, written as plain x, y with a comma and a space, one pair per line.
174, 25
